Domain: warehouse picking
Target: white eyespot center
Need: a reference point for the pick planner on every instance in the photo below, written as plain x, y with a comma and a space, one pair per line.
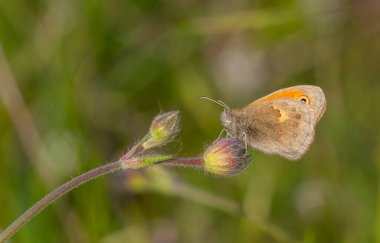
304, 100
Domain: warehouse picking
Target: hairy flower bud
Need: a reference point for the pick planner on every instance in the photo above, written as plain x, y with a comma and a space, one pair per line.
163, 129
226, 156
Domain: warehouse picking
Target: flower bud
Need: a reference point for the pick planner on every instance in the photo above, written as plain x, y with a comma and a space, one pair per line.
226, 156
163, 129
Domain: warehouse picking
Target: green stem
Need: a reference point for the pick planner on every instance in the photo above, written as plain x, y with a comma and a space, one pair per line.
54, 195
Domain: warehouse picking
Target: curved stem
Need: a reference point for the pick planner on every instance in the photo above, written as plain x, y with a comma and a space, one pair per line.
83, 178
138, 148
54, 195
65, 188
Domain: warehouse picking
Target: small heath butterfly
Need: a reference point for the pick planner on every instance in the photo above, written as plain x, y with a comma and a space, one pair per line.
280, 123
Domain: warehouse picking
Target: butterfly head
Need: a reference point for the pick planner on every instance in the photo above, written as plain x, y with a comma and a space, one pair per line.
226, 119
230, 122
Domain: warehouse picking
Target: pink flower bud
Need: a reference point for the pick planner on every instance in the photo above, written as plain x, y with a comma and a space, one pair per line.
226, 156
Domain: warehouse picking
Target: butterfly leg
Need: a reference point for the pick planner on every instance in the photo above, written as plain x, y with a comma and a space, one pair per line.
245, 142
220, 135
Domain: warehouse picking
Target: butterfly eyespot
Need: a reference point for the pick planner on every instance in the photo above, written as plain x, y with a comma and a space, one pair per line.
304, 100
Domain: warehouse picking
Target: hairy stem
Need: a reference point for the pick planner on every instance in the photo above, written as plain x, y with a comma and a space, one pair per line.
183, 162
90, 175
138, 148
54, 195
65, 188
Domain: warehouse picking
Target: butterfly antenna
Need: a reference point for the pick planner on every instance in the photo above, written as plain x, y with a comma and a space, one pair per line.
219, 102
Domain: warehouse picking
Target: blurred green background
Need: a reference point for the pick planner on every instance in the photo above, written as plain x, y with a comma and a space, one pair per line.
80, 82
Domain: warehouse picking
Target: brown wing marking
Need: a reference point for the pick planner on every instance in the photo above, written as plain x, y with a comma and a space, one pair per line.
281, 126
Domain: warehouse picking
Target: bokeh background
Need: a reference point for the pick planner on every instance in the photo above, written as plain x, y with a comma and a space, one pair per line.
81, 80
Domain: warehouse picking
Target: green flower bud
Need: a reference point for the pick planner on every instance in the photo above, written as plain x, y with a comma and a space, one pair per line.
226, 156
162, 130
